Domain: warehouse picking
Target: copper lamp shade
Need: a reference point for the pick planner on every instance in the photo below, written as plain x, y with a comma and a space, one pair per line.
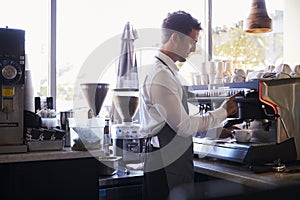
258, 21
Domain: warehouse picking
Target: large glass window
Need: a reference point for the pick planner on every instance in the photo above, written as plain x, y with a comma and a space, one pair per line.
85, 25
246, 50
31, 16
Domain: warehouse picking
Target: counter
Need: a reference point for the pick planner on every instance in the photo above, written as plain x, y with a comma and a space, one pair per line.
50, 175
249, 185
241, 173
75, 175
66, 153
216, 179
226, 180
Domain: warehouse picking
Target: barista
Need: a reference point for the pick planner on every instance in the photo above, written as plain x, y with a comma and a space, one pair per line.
164, 111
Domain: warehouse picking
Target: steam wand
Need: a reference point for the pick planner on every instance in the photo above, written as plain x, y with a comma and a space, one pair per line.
280, 118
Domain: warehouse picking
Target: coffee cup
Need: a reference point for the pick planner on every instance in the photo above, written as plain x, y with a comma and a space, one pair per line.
243, 135
196, 79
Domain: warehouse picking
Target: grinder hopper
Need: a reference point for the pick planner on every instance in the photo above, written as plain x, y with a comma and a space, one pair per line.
95, 94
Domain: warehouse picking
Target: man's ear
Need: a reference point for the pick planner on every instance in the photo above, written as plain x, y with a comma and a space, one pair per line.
174, 38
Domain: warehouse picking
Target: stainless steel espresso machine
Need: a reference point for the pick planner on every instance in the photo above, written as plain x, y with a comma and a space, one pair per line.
270, 108
12, 75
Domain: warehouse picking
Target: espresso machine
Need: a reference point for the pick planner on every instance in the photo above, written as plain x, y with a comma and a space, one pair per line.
127, 140
12, 79
270, 108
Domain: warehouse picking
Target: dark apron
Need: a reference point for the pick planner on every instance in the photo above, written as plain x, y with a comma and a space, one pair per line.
170, 165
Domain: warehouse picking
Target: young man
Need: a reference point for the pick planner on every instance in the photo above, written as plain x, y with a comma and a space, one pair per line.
164, 111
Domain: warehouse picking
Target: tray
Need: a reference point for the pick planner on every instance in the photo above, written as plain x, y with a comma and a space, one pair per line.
45, 145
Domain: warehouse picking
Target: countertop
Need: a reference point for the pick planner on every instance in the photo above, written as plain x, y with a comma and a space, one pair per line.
65, 153
220, 169
240, 173
234, 172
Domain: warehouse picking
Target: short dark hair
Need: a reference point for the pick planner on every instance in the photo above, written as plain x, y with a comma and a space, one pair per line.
179, 21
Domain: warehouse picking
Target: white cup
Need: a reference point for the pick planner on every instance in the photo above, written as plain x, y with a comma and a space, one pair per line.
49, 122
243, 135
297, 69
239, 72
212, 67
211, 78
237, 78
219, 67
204, 79
196, 79
226, 79
285, 68
228, 67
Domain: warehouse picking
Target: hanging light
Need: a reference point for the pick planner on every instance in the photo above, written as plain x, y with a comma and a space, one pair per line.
258, 20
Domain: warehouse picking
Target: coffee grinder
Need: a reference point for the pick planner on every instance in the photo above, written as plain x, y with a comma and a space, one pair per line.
95, 94
127, 140
12, 79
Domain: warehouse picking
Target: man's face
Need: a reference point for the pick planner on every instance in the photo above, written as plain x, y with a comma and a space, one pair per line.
187, 44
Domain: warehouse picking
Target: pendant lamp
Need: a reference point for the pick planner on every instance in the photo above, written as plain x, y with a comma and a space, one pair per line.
258, 20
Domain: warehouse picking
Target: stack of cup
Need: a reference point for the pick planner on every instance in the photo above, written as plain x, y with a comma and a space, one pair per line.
212, 72
203, 74
196, 78
201, 77
228, 71
228, 68
216, 72
219, 72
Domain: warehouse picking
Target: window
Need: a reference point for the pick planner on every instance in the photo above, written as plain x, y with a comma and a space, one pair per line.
31, 16
84, 26
247, 51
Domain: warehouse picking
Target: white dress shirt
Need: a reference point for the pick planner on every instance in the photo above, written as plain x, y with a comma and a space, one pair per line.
161, 102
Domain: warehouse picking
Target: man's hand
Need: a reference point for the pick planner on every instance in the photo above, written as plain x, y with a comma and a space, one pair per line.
230, 106
228, 132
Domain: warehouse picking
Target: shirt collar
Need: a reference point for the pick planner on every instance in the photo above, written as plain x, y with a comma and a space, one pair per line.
168, 61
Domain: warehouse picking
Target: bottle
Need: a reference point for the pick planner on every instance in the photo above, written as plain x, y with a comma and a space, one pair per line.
37, 104
106, 138
49, 101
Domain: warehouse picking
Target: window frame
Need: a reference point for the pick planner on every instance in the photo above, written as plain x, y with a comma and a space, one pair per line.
52, 52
